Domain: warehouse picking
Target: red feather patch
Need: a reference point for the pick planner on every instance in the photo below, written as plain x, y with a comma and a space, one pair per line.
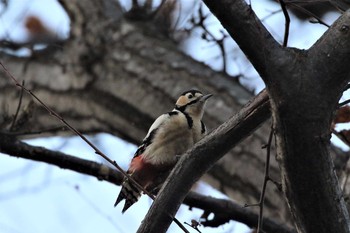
136, 164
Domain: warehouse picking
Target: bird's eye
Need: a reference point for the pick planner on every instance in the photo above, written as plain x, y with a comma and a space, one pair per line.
190, 96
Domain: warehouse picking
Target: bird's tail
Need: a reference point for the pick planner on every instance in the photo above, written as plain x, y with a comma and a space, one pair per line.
130, 193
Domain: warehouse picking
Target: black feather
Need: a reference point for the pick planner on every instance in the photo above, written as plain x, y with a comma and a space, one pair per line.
173, 113
130, 193
183, 107
192, 91
189, 120
146, 142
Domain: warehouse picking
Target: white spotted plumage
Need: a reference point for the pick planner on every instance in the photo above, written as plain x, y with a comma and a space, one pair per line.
169, 136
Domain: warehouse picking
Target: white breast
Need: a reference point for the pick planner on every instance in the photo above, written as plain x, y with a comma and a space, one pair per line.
173, 137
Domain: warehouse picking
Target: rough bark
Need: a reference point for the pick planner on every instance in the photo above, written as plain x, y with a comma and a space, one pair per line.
195, 162
118, 77
115, 75
304, 88
223, 210
303, 129
297, 82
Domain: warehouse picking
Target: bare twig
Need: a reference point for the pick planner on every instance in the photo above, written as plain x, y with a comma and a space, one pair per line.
266, 179
343, 103
17, 110
297, 7
228, 209
342, 137
194, 224
286, 16
57, 116
97, 151
16, 133
319, 20
272, 13
209, 36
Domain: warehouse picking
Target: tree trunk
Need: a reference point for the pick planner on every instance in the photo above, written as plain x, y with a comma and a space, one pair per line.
304, 87
115, 75
124, 76
303, 107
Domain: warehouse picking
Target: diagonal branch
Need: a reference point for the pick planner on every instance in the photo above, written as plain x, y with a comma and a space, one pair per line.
195, 162
226, 208
87, 141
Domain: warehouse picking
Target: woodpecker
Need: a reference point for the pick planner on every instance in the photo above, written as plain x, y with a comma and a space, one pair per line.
169, 136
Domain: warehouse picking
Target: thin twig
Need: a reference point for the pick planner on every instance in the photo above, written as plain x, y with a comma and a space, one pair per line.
319, 20
343, 103
17, 110
97, 151
229, 209
342, 137
53, 129
272, 13
263, 188
286, 16
277, 184
194, 224
266, 179
209, 36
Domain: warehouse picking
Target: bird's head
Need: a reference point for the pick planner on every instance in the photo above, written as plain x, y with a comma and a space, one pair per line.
192, 102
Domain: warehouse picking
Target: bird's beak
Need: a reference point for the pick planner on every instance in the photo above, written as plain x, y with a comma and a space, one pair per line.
205, 97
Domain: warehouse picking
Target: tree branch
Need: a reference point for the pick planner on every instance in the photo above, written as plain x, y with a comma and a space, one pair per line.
287, 23
195, 162
109, 94
231, 210
246, 29
225, 208
102, 75
304, 87
87, 141
11, 146
333, 49
303, 102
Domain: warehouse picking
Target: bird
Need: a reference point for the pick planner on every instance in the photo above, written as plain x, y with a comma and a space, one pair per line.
170, 135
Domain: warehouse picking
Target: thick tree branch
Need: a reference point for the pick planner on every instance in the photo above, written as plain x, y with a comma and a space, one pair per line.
11, 146
195, 162
333, 49
303, 102
226, 209
304, 87
117, 92
112, 71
